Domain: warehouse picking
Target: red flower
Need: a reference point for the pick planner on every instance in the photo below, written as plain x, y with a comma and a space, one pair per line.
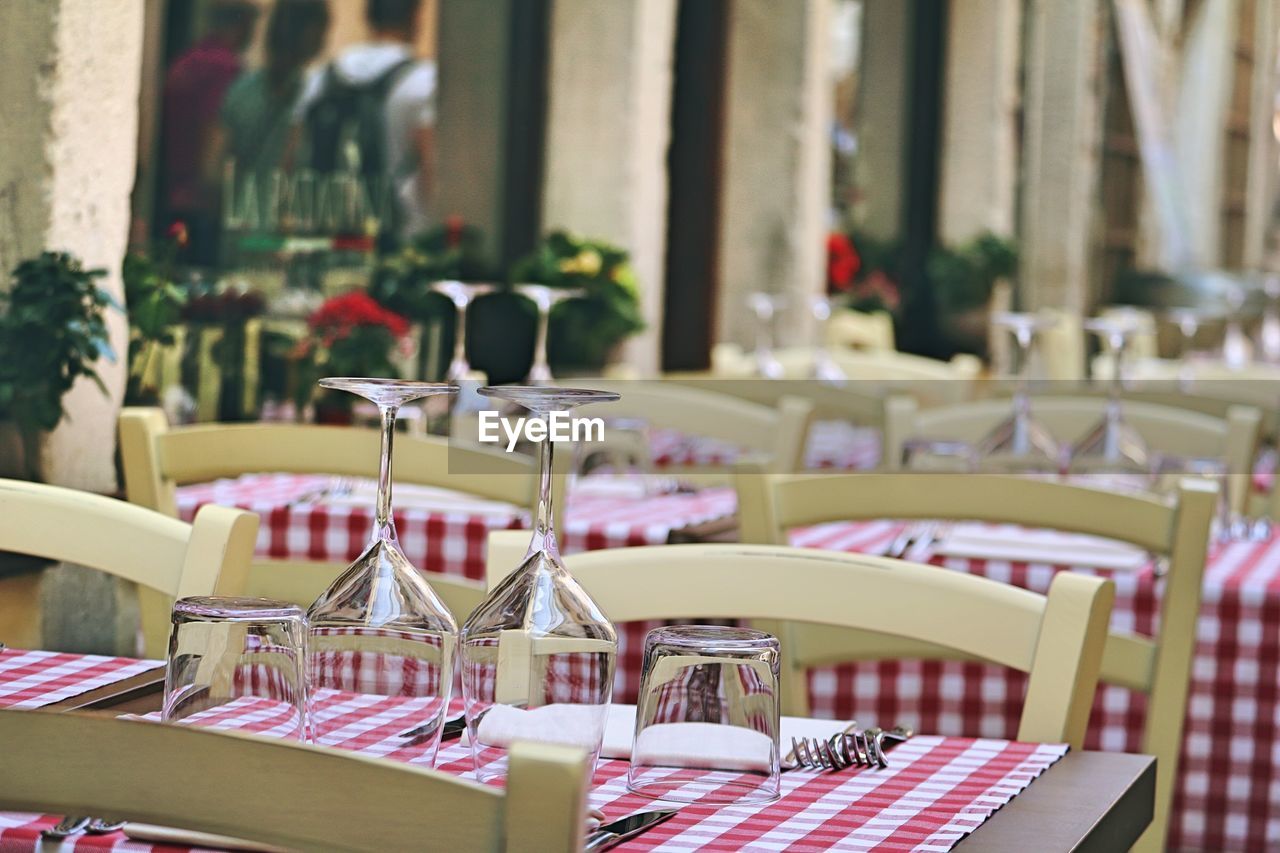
453, 231
842, 263
178, 234
339, 315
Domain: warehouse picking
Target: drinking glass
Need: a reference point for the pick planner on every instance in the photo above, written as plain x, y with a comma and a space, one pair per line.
765, 307
707, 716
1188, 322
237, 663
824, 368
379, 636
538, 654
1269, 331
461, 294
545, 298
1112, 444
1020, 440
1236, 348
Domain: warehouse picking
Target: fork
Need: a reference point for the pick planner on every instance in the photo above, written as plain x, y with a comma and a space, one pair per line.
864, 748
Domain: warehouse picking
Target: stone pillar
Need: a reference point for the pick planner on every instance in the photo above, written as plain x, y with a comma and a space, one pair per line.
979, 149
882, 116
1263, 151
777, 164
608, 126
1061, 146
68, 139
472, 110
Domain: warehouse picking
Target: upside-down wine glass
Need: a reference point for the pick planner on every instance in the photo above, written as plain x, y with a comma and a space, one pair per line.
379, 636
461, 294
765, 307
538, 654
824, 368
1269, 331
1188, 322
1112, 445
1020, 439
1236, 348
545, 298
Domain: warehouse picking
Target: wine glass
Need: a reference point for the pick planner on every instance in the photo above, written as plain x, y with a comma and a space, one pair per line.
1236, 349
1188, 322
1112, 444
461, 294
538, 654
1020, 438
824, 369
1269, 331
765, 306
379, 637
545, 298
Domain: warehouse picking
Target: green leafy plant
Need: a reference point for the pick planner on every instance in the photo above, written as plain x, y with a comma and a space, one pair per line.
52, 331
962, 277
155, 302
584, 330
401, 281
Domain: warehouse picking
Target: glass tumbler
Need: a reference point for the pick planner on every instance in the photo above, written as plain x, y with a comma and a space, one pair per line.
237, 663
707, 716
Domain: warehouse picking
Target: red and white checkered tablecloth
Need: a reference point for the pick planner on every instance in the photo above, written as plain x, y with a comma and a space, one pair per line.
296, 528
1229, 777
33, 679
836, 445
937, 791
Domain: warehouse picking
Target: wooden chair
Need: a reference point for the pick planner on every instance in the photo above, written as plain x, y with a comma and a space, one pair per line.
1057, 638
774, 435
1177, 530
167, 557
286, 794
158, 458
1233, 439
893, 414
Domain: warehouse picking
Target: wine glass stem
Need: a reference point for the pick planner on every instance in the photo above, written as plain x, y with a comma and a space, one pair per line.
540, 347
460, 338
544, 536
383, 525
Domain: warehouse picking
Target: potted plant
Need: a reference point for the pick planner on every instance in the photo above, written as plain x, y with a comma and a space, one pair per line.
155, 302
52, 332
351, 335
962, 279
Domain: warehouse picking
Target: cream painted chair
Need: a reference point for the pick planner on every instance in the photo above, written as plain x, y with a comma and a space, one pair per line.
1176, 530
158, 458
893, 414
167, 557
773, 434
1233, 439
1057, 638
861, 330
286, 794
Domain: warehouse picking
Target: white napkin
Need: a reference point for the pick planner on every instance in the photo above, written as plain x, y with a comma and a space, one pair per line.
732, 747
416, 496
983, 541
191, 838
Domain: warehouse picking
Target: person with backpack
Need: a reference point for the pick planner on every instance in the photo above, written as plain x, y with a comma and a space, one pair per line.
370, 114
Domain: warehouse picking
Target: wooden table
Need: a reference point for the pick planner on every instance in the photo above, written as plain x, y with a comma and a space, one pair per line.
1087, 801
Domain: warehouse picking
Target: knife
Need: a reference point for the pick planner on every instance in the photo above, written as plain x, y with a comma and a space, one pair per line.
620, 830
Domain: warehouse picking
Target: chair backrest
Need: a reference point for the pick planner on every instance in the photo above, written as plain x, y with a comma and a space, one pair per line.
209, 557
157, 458
287, 794
775, 434
1177, 530
1057, 639
1233, 439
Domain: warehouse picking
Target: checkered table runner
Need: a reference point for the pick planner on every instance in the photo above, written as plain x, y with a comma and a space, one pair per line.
937, 791
1229, 776
34, 679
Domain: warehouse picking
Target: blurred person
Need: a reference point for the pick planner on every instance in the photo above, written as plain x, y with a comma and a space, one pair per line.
257, 113
194, 87
371, 111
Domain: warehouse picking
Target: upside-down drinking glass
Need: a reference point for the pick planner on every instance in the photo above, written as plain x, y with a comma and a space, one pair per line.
765, 306
538, 654
707, 716
545, 298
379, 635
237, 663
824, 367
1020, 441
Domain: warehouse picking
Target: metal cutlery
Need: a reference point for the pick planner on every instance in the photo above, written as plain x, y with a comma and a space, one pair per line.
865, 748
609, 834
420, 734
914, 538
67, 827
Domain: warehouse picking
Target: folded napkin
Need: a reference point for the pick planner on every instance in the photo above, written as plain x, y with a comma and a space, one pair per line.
674, 744
191, 838
636, 486
1018, 544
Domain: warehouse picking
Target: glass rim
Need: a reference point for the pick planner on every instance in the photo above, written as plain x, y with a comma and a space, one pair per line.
711, 637
531, 396
236, 609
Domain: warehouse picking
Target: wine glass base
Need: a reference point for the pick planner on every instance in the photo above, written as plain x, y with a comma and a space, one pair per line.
1022, 441
1112, 444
